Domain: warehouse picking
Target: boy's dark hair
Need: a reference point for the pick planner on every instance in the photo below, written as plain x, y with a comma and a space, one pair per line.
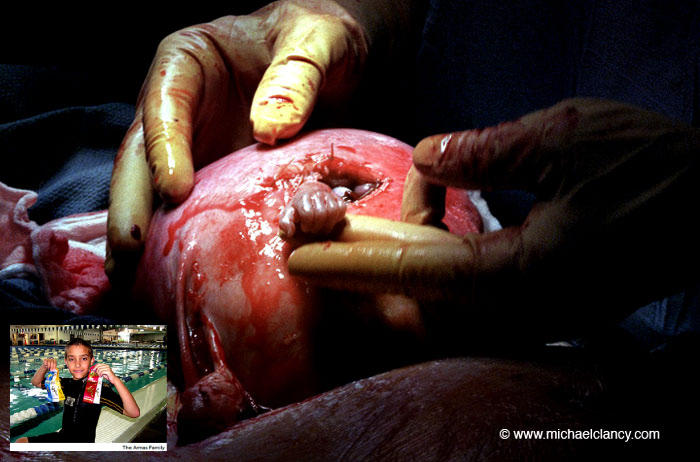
79, 342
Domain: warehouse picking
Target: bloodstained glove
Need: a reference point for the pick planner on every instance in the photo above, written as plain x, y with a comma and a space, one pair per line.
214, 87
613, 226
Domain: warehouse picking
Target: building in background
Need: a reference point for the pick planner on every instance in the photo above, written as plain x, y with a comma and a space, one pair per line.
95, 334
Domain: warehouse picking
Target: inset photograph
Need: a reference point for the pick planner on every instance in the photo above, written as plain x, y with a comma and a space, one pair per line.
102, 384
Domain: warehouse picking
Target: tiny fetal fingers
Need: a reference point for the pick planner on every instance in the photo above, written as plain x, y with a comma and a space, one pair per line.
288, 218
320, 210
335, 211
315, 208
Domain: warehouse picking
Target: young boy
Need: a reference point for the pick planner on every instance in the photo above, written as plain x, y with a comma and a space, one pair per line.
80, 418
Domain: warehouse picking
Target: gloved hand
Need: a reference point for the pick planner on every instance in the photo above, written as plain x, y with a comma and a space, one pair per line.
613, 226
212, 88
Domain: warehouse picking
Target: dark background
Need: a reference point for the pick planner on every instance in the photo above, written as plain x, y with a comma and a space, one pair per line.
99, 53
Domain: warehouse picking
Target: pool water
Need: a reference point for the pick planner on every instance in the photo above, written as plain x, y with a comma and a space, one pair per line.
135, 367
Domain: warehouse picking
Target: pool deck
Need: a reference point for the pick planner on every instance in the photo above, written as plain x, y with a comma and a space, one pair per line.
117, 428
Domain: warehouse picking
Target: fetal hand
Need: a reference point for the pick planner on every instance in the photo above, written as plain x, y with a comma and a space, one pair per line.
315, 208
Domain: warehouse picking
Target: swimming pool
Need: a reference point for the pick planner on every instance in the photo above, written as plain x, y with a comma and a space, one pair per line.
30, 412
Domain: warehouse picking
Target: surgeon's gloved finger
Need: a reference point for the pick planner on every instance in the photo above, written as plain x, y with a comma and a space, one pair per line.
171, 97
380, 255
360, 228
422, 203
376, 266
281, 108
511, 155
130, 201
473, 270
313, 53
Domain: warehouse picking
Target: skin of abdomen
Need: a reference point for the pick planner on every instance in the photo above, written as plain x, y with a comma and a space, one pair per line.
216, 260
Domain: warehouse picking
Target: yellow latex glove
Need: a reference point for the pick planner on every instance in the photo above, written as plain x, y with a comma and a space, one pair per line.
612, 228
216, 87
